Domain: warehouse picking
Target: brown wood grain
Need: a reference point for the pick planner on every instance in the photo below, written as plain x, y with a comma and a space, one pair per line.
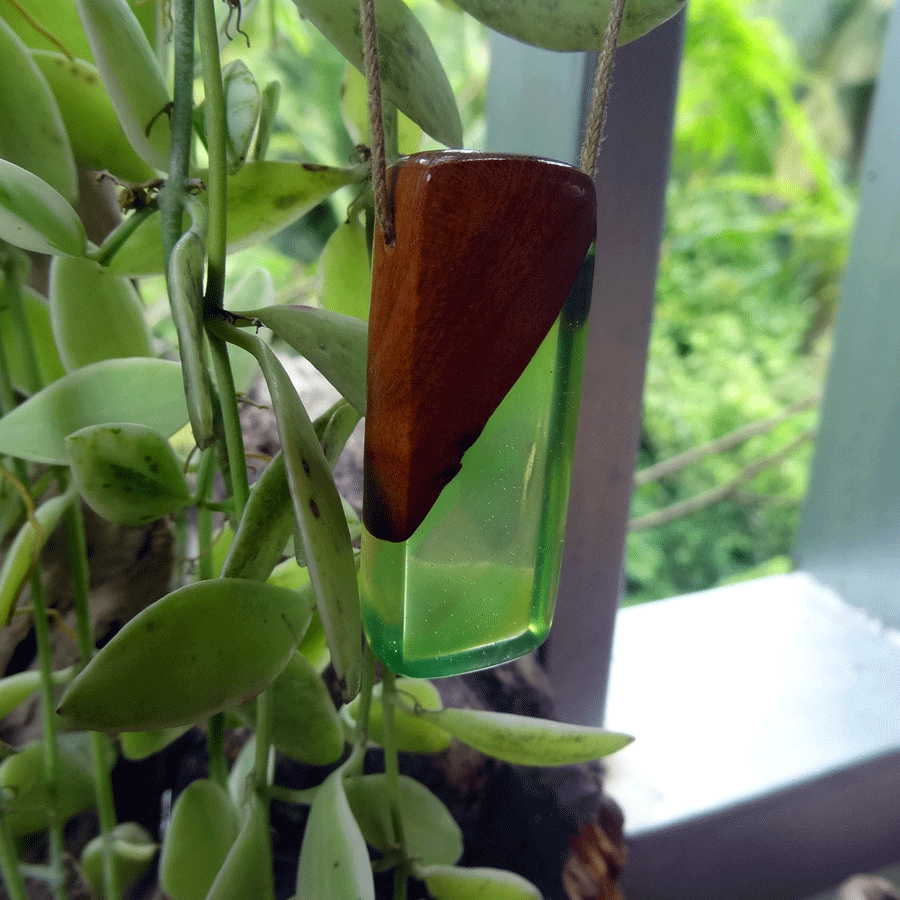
487, 249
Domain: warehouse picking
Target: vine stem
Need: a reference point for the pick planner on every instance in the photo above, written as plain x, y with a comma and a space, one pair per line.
392, 773
216, 186
100, 750
361, 735
172, 196
594, 133
9, 863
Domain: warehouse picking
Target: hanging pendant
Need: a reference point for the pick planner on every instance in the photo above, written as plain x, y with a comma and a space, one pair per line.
471, 407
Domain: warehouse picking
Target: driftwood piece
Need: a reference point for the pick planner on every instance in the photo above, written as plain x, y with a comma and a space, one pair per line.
487, 248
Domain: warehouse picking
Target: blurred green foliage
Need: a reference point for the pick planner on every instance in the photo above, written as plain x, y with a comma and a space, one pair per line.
760, 208
757, 229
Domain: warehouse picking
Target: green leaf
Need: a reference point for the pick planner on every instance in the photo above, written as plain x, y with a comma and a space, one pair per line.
334, 344
345, 276
431, 836
186, 270
35, 216
133, 851
131, 75
16, 689
202, 649
305, 724
127, 473
255, 288
22, 555
141, 744
334, 862
319, 516
37, 314
139, 390
263, 199
57, 17
23, 779
526, 741
334, 427
455, 883
201, 832
355, 113
413, 733
96, 136
243, 103
247, 871
95, 315
568, 24
412, 76
32, 134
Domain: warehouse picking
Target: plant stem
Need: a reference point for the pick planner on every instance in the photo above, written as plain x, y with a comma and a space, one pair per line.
106, 807
215, 144
9, 863
215, 744
172, 197
51, 750
231, 424
120, 234
389, 742
365, 705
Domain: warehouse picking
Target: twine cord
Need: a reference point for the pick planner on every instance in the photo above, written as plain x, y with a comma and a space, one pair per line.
594, 133
376, 120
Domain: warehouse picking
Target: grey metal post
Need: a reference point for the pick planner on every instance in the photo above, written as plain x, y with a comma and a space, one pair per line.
631, 189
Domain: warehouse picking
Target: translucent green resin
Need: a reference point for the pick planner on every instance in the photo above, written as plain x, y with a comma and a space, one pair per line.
476, 584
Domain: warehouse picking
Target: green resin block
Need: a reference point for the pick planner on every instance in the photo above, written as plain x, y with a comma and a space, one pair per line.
476, 584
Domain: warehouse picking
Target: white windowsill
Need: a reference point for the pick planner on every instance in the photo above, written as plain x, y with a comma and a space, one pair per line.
742, 694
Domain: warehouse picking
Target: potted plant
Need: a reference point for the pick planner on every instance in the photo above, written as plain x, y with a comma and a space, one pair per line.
91, 403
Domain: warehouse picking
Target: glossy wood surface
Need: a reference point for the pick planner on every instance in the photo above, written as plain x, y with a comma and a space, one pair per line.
487, 249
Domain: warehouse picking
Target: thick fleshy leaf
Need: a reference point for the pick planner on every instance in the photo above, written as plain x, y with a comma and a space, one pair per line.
263, 199
355, 113
526, 741
247, 871
95, 315
32, 134
186, 269
456, 883
56, 18
127, 473
270, 96
319, 516
335, 344
131, 75
431, 835
242, 107
141, 744
412, 733
568, 25
133, 851
37, 314
204, 648
23, 779
412, 75
305, 724
22, 555
201, 832
334, 862
35, 216
97, 139
16, 689
345, 275
139, 390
